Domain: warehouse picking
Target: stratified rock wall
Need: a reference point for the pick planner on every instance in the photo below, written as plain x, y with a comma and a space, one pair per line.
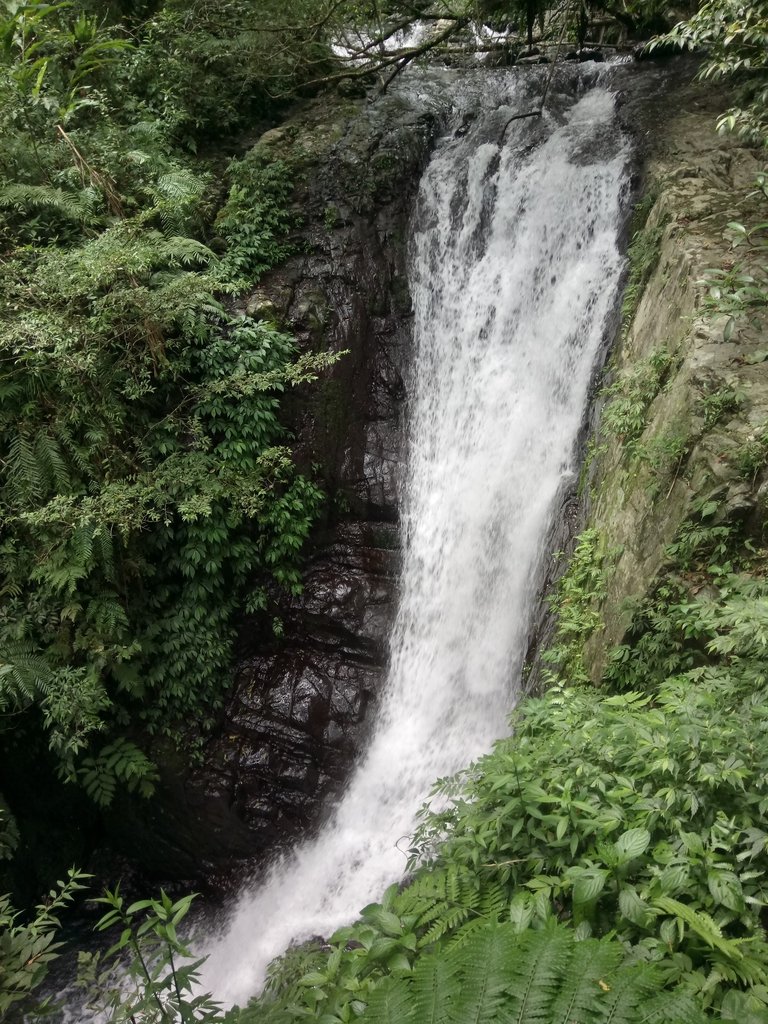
683, 456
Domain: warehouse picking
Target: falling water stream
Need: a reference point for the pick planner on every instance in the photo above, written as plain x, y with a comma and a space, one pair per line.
514, 272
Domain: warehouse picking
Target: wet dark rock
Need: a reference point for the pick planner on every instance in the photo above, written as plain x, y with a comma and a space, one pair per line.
503, 57
585, 55
295, 720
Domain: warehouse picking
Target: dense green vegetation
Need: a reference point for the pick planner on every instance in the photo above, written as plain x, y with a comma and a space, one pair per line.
608, 861
635, 815
147, 493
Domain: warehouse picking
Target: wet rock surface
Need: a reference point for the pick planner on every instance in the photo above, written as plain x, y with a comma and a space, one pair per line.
715, 399
295, 719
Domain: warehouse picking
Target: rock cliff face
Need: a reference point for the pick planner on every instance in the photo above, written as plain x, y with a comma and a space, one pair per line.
296, 716
699, 384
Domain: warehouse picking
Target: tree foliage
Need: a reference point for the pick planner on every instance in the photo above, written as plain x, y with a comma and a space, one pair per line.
148, 490
27, 948
735, 36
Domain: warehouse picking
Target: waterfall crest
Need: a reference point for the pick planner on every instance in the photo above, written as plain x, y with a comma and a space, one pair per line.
514, 267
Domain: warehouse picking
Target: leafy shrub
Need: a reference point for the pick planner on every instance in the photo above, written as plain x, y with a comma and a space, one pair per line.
631, 815
148, 492
575, 602
736, 38
28, 949
500, 973
148, 974
630, 397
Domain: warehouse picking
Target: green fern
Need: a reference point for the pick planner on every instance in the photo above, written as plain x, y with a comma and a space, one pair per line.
24, 479
701, 923
627, 994
537, 973
176, 195
435, 988
36, 468
25, 676
484, 964
673, 1008
52, 465
79, 206
391, 1003
538, 977
589, 964
451, 901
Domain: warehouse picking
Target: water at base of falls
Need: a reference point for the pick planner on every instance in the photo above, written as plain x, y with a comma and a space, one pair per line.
514, 267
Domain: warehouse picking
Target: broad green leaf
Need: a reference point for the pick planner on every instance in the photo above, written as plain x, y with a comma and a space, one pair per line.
726, 889
633, 907
381, 948
313, 978
521, 911
673, 878
589, 885
632, 843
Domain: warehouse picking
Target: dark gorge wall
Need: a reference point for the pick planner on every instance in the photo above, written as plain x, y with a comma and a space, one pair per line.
294, 721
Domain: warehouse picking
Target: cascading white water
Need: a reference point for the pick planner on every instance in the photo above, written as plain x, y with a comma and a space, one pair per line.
514, 273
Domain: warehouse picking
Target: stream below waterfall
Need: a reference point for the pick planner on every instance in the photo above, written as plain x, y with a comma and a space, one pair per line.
514, 271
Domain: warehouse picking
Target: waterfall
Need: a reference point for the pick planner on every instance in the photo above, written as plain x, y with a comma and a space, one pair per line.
514, 267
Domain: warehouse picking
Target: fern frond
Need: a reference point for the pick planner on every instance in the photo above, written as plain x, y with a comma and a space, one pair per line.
445, 900
24, 477
82, 549
627, 992
435, 988
673, 1008
536, 971
590, 963
25, 676
178, 251
493, 901
390, 1003
76, 205
701, 923
468, 929
105, 552
73, 449
106, 615
176, 194
485, 960
53, 468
